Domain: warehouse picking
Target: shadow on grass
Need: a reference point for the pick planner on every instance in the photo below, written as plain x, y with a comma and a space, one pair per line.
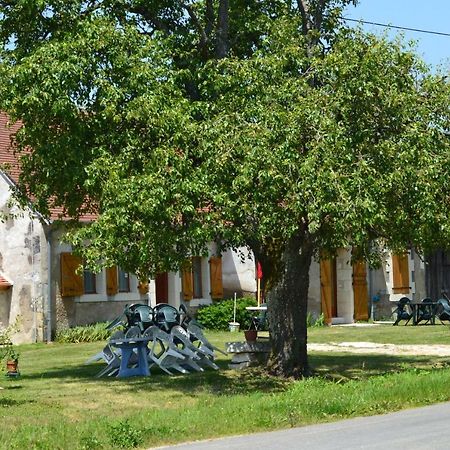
218, 382
346, 366
335, 367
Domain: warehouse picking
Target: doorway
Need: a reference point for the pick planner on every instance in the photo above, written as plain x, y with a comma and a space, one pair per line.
162, 287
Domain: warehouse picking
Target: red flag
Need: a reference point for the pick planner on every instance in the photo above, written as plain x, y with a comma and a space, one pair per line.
259, 273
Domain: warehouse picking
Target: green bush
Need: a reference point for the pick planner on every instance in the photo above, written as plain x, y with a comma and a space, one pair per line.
218, 315
86, 333
315, 322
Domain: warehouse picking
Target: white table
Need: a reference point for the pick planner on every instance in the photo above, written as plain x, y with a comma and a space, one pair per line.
256, 308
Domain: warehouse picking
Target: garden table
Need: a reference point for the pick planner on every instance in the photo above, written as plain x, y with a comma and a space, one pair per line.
429, 307
128, 347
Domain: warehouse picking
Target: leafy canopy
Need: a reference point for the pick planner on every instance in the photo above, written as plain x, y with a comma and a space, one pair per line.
132, 112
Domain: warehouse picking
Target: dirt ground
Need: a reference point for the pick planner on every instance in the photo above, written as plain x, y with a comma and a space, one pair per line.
389, 349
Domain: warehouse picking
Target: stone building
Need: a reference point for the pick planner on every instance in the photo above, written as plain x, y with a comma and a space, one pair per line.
39, 281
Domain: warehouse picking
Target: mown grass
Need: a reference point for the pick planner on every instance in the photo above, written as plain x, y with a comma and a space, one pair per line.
58, 404
383, 334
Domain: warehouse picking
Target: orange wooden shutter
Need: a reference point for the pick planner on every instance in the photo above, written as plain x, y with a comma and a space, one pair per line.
187, 283
215, 276
112, 283
400, 274
360, 293
71, 282
326, 288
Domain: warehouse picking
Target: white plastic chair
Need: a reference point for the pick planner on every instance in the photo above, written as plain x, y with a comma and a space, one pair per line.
109, 356
162, 352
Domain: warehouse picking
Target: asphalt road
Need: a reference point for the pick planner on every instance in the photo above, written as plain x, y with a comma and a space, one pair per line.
419, 428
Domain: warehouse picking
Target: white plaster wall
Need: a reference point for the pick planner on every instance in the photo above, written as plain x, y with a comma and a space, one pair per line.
314, 293
344, 282
22, 261
175, 289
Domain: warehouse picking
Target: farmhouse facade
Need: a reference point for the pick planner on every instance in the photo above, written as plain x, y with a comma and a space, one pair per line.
40, 281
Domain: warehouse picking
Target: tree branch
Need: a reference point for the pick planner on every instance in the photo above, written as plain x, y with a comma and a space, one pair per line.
203, 44
304, 12
209, 17
222, 43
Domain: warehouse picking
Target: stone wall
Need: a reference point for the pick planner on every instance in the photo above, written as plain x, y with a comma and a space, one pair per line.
23, 263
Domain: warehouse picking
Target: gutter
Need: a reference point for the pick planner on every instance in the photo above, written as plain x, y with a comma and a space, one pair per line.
49, 309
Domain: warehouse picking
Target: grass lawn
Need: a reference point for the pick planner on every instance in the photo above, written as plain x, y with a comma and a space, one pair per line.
382, 334
58, 404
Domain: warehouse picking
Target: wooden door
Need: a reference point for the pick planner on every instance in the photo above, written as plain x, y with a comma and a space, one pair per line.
162, 288
328, 288
360, 292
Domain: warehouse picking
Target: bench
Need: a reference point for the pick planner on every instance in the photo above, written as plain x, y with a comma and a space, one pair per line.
247, 354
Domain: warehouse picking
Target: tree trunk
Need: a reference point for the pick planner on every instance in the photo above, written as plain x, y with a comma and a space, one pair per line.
222, 39
287, 310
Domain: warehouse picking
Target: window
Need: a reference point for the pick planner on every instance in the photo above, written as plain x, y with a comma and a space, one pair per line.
89, 282
124, 281
197, 276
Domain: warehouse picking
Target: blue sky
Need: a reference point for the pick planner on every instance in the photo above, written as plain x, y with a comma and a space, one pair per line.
433, 15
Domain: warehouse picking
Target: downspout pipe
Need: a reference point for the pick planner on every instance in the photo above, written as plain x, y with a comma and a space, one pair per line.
49, 313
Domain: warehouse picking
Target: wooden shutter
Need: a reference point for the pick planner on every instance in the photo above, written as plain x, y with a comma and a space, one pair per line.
112, 282
360, 292
215, 276
71, 282
400, 274
326, 288
187, 283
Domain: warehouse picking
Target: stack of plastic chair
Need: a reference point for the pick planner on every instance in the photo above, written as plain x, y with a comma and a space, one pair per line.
443, 310
110, 356
162, 352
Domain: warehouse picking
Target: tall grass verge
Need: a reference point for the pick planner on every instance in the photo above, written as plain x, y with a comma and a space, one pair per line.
86, 333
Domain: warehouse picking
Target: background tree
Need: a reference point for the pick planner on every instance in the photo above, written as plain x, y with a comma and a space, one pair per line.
253, 123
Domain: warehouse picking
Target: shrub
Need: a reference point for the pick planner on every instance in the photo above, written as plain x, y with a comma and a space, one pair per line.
86, 333
315, 322
218, 315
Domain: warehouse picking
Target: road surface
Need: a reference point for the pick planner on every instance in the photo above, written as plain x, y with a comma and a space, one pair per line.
413, 429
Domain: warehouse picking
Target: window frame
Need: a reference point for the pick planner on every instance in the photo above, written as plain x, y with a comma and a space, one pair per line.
126, 276
197, 277
88, 273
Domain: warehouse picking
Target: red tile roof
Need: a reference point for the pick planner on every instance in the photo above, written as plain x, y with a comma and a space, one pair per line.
4, 283
8, 158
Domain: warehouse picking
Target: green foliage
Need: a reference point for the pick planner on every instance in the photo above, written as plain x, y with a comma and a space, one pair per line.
315, 322
125, 435
298, 132
8, 351
86, 333
218, 315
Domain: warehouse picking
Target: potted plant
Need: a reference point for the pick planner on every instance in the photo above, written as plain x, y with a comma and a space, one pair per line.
11, 356
8, 352
251, 334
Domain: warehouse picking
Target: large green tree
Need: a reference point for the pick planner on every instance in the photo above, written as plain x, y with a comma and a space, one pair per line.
258, 123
